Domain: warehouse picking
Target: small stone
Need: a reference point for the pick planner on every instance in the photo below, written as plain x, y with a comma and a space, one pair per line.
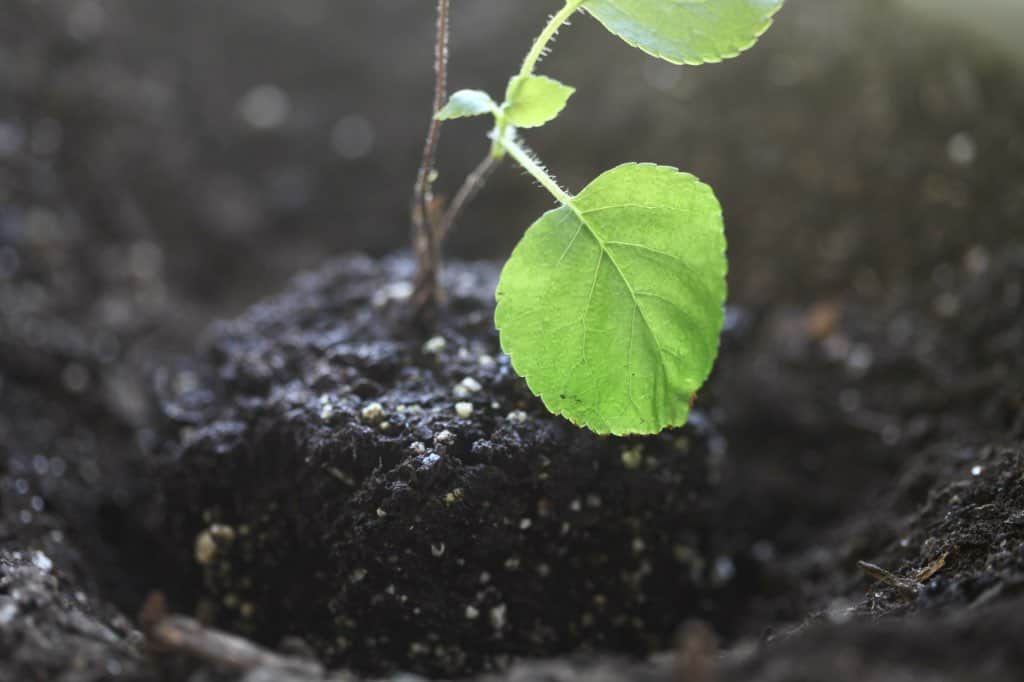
464, 410
517, 417
437, 549
381, 513
210, 540
633, 457
373, 413
435, 345
384, 426
471, 385
42, 562
499, 616
472, 613
418, 448
445, 437
486, 361
723, 571
524, 524
8, 611
453, 497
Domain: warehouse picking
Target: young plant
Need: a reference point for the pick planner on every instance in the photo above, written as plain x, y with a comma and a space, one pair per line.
611, 305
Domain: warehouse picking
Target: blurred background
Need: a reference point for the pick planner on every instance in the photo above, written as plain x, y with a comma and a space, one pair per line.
163, 163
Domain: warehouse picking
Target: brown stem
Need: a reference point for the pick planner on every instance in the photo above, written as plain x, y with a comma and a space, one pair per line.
184, 635
427, 292
472, 185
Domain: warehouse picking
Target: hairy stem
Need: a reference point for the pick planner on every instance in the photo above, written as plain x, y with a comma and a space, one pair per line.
472, 185
525, 158
427, 291
536, 53
540, 45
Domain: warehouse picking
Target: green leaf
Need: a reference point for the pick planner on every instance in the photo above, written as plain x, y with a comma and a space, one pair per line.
533, 100
611, 307
467, 103
686, 31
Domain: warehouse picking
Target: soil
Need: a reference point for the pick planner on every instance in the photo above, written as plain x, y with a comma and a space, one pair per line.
342, 498
293, 490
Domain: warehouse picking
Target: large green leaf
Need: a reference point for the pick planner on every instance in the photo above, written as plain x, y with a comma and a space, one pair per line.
686, 31
533, 100
611, 306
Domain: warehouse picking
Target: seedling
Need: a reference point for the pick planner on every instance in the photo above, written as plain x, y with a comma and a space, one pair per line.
611, 305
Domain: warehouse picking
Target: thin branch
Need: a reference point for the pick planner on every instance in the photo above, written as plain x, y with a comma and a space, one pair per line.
181, 634
427, 292
472, 185
906, 588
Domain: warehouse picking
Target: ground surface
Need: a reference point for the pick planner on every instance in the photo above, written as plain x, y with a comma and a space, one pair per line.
867, 405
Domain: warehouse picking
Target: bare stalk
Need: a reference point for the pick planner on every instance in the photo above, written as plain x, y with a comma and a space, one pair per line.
472, 185
425, 237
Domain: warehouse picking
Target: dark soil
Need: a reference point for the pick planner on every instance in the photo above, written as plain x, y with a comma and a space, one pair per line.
324, 470
867, 405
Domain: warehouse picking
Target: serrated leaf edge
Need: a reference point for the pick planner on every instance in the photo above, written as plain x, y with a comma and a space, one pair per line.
733, 50
530, 381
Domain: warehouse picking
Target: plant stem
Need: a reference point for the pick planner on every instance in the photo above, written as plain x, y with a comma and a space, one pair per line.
427, 289
525, 158
541, 44
472, 185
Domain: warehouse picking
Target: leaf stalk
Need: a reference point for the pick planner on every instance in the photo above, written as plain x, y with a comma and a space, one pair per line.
525, 158
540, 45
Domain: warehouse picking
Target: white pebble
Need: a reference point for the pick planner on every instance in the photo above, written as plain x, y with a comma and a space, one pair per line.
516, 416
464, 410
470, 384
499, 616
435, 345
373, 413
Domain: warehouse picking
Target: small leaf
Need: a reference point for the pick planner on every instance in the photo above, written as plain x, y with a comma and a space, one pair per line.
467, 103
611, 306
533, 100
687, 31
